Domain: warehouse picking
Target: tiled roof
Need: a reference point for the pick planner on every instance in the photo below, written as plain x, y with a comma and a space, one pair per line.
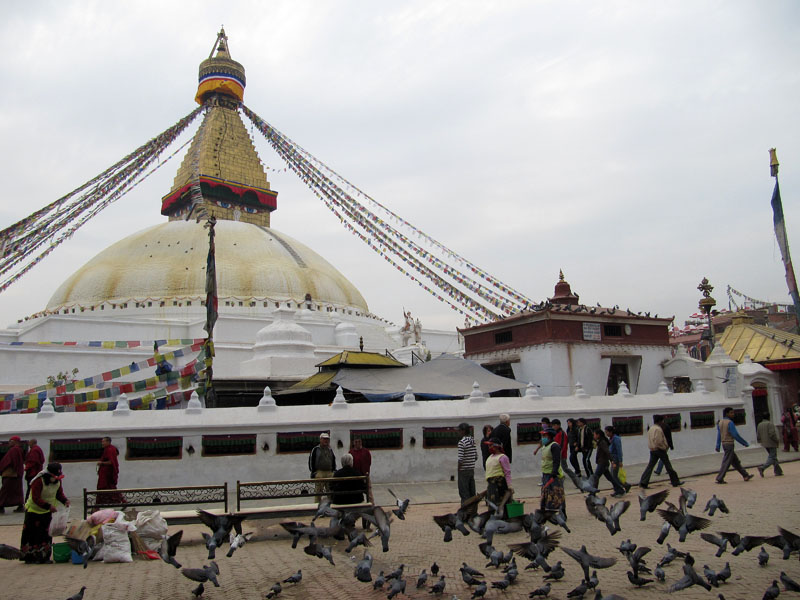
760, 343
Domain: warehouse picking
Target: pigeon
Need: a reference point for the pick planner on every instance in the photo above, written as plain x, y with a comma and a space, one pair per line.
500, 526
648, 504
671, 555
665, 529
434, 569
398, 586
397, 573
78, 595
789, 584
584, 485
720, 542
469, 579
362, 571
763, 557
791, 539
725, 573
402, 506
711, 576
593, 581
637, 562
690, 578
659, 573
296, 578
221, 526
379, 581
479, 591
237, 541
638, 581
713, 504
609, 516
438, 587
690, 496
358, 539
579, 591
586, 560
448, 533
84, 548
324, 510
325, 552
381, 522
474, 572
684, 524
9, 552
168, 548
541, 592
743, 543
501, 585
207, 573
626, 546
199, 591
772, 592
274, 590
422, 579
556, 572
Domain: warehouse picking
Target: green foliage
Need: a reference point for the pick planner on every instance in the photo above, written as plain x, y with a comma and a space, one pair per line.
62, 378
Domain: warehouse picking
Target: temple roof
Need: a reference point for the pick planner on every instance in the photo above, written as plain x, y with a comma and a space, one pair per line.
760, 343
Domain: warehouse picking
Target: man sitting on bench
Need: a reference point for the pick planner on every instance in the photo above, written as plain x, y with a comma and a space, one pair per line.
348, 492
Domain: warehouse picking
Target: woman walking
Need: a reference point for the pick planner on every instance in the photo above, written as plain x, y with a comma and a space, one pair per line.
552, 473
789, 422
46, 490
603, 462
498, 476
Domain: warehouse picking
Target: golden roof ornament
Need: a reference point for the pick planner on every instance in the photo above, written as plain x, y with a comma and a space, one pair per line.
220, 75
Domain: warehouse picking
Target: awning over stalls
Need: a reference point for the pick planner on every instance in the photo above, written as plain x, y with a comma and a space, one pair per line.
443, 377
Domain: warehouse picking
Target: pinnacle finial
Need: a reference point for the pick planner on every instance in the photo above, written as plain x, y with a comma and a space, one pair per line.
220, 75
560, 275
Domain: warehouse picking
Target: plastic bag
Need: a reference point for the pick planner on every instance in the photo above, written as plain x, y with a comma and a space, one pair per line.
622, 475
151, 528
59, 522
116, 545
102, 516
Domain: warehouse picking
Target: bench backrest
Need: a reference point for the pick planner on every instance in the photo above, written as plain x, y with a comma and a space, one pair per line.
154, 497
294, 488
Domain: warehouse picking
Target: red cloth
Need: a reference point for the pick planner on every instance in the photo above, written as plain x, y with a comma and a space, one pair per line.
34, 462
561, 439
11, 489
107, 475
362, 460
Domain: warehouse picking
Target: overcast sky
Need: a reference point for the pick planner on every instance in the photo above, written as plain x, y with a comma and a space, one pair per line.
623, 142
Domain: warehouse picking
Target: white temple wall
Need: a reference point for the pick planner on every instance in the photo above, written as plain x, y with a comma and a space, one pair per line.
411, 463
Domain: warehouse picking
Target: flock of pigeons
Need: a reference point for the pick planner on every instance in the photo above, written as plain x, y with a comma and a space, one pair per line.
544, 527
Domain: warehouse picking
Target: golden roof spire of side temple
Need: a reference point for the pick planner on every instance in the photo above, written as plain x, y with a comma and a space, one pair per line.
221, 158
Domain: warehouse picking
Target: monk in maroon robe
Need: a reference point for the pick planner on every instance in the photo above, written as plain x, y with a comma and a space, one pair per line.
108, 473
34, 463
12, 467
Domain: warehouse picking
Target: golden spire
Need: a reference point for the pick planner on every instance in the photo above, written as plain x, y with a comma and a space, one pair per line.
220, 74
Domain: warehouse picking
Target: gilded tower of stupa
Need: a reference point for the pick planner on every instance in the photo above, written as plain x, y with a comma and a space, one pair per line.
222, 160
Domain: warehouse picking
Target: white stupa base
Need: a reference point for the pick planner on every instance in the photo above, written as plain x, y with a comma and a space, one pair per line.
278, 366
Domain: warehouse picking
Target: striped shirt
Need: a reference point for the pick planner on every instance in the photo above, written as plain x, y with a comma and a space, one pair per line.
467, 454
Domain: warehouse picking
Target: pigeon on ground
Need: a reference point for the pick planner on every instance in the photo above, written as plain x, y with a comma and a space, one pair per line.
398, 586
715, 503
772, 592
274, 590
296, 578
237, 541
690, 496
724, 574
541, 592
659, 573
199, 591
422, 579
434, 569
474, 572
586, 560
78, 595
501, 585
637, 562
690, 578
719, 541
556, 572
763, 557
648, 504
397, 573
479, 591
207, 573
362, 571
579, 591
402, 506
9, 552
593, 581
638, 581
438, 587
711, 576
468, 578
789, 584
379, 581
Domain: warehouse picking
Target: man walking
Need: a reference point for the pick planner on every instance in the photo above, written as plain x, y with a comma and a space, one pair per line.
321, 463
572, 438
503, 433
657, 442
585, 445
34, 463
467, 457
108, 473
767, 436
726, 437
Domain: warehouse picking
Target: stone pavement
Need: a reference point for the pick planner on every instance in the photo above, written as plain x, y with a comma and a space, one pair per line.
757, 507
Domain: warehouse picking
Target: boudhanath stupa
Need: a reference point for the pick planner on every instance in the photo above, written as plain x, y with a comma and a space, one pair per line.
282, 308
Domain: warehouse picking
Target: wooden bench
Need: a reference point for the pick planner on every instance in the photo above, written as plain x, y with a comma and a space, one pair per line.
295, 491
158, 498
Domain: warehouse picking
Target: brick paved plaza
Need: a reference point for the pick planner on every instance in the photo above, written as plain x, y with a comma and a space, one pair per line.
757, 507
